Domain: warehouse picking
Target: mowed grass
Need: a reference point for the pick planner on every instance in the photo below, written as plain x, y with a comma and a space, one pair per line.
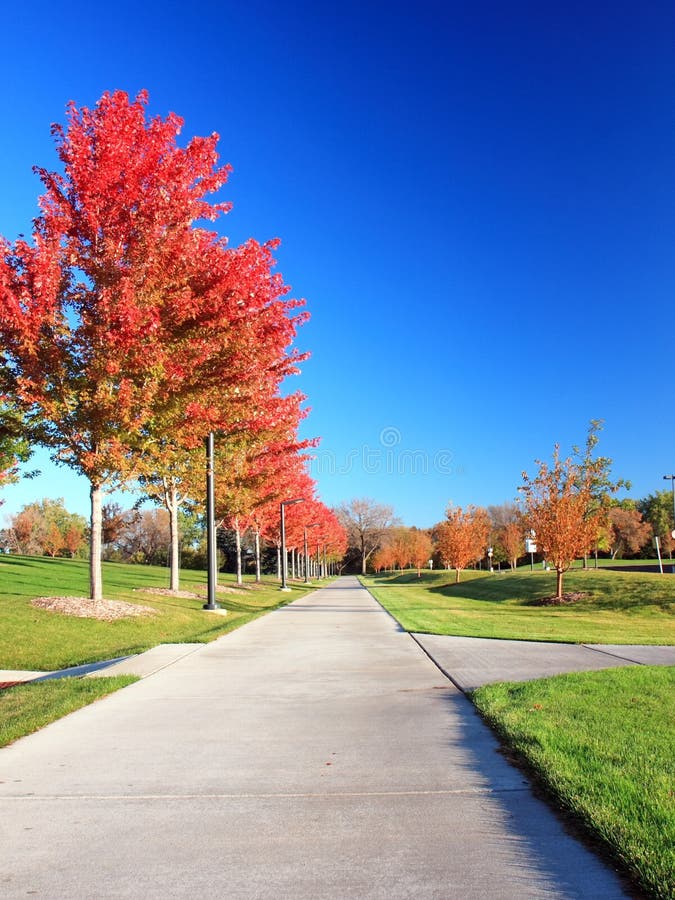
35, 639
619, 607
27, 707
602, 744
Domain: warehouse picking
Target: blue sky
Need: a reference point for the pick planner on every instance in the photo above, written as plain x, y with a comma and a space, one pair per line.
476, 199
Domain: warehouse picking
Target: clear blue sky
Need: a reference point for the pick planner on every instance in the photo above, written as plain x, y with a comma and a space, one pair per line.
476, 199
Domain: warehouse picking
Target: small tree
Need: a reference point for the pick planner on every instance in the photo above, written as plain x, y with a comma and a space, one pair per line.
420, 549
566, 505
463, 537
366, 523
73, 539
628, 532
399, 542
511, 539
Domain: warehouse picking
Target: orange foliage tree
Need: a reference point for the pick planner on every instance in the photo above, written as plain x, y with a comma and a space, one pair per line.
566, 505
463, 537
398, 541
420, 549
511, 539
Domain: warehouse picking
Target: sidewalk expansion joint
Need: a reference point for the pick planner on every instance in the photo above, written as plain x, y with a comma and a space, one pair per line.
437, 664
309, 795
613, 654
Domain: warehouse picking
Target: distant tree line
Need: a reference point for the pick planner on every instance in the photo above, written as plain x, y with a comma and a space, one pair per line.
568, 510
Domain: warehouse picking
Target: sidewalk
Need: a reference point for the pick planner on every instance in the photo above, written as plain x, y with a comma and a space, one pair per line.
472, 662
316, 752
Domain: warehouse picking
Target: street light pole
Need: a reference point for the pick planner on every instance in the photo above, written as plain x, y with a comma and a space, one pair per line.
284, 560
671, 478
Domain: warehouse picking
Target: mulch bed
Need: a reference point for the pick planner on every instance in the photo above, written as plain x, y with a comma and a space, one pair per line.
190, 595
84, 608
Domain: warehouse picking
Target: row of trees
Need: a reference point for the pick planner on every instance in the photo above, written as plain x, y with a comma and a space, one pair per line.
568, 509
46, 528
129, 331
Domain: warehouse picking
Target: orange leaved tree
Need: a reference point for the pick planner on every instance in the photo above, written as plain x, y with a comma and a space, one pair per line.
512, 540
566, 504
463, 537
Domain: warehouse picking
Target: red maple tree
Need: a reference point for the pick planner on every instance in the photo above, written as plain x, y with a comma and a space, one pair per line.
122, 316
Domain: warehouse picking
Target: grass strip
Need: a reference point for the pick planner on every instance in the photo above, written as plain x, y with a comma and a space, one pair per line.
616, 607
39, 640
602, 744
26, 708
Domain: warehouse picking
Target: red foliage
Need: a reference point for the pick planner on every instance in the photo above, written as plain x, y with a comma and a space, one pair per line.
124, 319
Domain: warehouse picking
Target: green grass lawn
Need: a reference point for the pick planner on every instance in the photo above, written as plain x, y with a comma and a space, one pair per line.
28, 707
602, 744
31, 638
620, 607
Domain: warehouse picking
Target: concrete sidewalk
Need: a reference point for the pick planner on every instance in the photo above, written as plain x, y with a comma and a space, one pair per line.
472, 662
315, 753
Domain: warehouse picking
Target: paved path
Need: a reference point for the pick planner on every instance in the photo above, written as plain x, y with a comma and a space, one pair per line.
315, 753
473, 662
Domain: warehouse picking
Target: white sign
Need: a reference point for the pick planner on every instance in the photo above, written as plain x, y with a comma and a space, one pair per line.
530, 546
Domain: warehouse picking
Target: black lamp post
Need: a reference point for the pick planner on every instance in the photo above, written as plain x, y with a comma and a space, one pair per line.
671, 479
284, 561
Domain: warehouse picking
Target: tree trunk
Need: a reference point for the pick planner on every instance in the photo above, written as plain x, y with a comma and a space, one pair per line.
257, 555
237, 538
456, 576
559, 583
95, 543
171, 501
363, 562
278, 562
